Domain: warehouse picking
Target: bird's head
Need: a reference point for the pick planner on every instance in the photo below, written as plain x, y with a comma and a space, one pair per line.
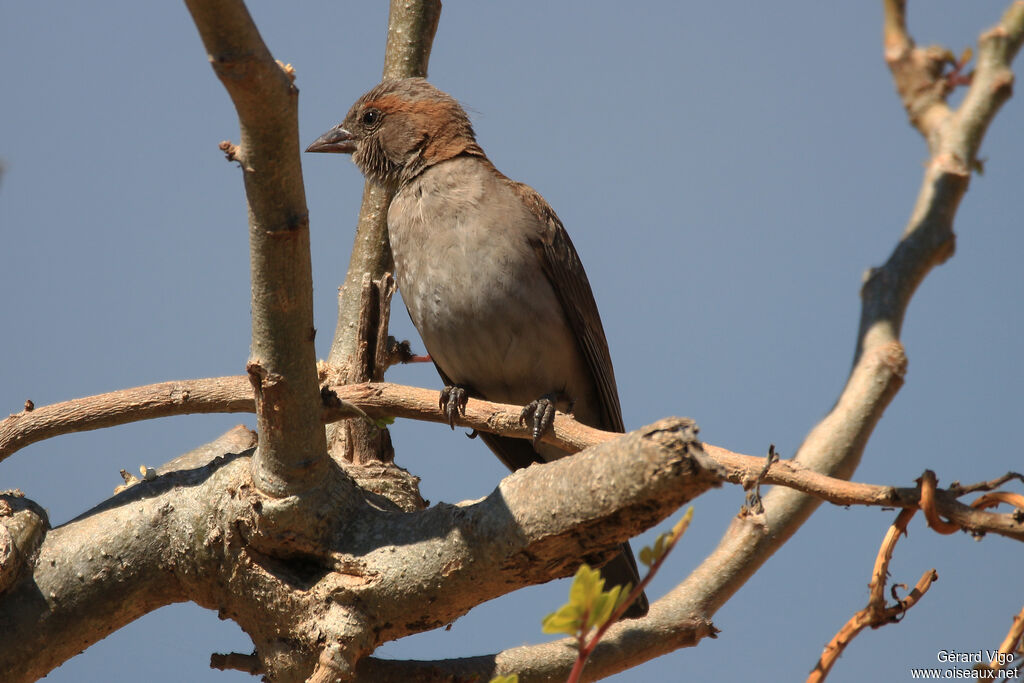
400, 128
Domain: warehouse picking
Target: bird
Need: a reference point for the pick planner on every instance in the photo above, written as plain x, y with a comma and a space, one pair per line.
488, 274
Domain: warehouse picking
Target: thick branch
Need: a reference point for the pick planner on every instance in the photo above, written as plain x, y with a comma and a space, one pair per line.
282, 366
358, 442
625, 645
508, 540
23, 526
202, 534
954, 139
455, 557
179, 537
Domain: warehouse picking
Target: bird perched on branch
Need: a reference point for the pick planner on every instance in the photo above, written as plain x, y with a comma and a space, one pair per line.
491, 280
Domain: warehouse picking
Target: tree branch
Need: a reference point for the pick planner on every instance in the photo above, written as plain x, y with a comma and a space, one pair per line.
835, 445
917, 72
212, 395
625, 645
411, 29
200, 534
292, 454
383, 400
876, 613
1011, 643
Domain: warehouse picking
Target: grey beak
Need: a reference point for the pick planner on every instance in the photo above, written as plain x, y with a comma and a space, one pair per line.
336, 140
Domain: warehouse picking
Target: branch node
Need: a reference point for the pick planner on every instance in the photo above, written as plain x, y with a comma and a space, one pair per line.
332, 666
231, 151
288, 70
258, 375
23, 526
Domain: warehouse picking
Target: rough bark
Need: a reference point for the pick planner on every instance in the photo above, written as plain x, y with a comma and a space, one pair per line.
207, 534
292, 453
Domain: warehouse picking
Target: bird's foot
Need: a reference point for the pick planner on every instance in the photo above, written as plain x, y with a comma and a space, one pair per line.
453, 402
543, 413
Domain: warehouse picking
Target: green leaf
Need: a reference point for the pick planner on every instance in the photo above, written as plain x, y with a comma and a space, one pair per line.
568, 619
682, 525
383, 422
589, 605
649, 555
511, 678
603, 607
586, 586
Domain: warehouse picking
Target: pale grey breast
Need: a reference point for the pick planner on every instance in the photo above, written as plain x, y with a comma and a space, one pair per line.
475, 289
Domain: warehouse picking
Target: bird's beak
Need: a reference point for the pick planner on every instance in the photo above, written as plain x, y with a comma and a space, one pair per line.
337, 140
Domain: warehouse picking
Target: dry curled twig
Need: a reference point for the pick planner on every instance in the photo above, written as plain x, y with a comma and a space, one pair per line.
928, 485
876, 613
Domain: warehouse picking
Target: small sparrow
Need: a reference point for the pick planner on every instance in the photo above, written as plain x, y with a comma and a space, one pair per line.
491, 280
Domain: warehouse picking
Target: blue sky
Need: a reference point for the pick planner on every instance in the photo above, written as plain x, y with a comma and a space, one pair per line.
727, 173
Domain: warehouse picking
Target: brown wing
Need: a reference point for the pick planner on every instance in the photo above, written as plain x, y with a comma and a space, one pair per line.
564, 270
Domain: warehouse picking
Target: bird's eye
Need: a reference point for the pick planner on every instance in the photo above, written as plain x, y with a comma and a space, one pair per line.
370, 117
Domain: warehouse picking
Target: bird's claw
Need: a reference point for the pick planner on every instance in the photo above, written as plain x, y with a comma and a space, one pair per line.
543, 412
452, 403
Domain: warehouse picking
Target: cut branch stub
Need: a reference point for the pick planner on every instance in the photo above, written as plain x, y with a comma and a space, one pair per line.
23, 525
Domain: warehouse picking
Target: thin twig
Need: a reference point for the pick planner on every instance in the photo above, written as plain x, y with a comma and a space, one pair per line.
382, 400
1011, 643
876, 613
